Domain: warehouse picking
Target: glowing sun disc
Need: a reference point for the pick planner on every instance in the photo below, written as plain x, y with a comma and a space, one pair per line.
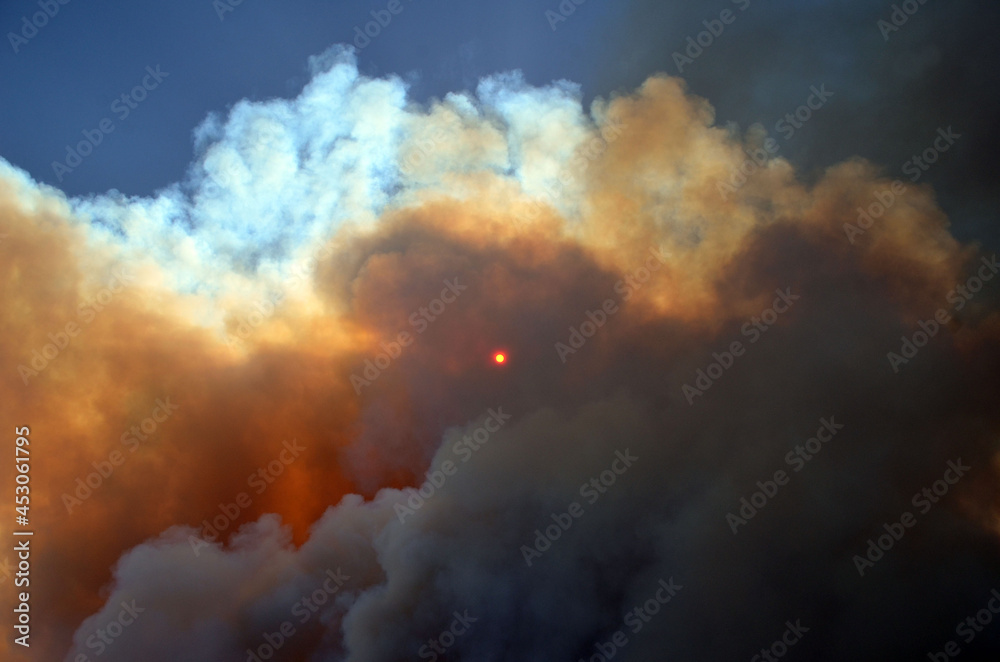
500, 357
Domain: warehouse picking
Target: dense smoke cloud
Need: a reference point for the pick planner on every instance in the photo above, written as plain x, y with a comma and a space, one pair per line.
347, 474
899, 70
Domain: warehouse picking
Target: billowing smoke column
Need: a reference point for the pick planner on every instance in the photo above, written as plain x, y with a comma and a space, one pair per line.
267, 422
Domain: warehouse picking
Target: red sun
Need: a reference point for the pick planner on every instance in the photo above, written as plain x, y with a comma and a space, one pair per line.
500, 357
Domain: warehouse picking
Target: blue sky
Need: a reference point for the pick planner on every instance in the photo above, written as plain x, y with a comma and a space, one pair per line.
891, 94
263, 220
90, 53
